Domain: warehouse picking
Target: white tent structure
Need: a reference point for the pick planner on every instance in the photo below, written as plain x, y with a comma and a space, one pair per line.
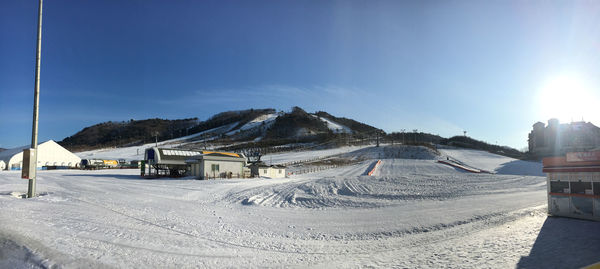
2, 165
49, 153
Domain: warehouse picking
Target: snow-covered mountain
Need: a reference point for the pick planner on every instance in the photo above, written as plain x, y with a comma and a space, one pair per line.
256, 125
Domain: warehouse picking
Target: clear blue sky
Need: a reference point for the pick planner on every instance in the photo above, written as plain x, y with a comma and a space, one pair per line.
436, 66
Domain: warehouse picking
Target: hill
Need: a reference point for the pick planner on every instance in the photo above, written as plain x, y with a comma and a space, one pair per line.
260, 127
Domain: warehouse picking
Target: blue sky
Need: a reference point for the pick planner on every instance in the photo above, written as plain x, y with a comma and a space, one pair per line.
436, 66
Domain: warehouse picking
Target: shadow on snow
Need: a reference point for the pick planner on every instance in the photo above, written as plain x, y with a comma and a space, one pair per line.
524, 168
564, 243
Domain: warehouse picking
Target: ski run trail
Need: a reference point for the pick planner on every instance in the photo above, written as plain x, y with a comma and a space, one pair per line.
411, 213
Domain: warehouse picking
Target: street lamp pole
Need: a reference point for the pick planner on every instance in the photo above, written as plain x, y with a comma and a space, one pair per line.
36, 101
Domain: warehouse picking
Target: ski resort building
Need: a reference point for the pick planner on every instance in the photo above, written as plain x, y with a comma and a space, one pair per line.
574, 185
166, 162
49, 154
211, 164
272, 171
200, 164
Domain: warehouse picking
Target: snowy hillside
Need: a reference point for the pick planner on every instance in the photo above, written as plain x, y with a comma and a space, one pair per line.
484, 160
252, 125
263, 121
335, 127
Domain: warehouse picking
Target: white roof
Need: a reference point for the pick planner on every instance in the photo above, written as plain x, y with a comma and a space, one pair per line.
49, 149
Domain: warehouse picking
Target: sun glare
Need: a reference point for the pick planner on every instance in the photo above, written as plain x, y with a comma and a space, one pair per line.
567, 98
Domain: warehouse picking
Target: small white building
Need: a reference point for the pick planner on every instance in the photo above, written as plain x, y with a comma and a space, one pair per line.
49, 153
217, 165
272, 171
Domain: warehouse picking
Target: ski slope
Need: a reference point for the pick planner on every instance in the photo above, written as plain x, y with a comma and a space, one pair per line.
261, 121
335, 127
484, 160
306, 155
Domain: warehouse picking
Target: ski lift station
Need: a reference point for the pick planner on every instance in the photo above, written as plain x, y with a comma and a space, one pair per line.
49, 154
200, 164
574, 185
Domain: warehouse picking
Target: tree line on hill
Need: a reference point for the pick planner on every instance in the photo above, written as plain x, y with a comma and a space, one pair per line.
127, 133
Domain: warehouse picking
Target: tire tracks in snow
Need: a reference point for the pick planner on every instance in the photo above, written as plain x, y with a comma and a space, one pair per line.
222, 242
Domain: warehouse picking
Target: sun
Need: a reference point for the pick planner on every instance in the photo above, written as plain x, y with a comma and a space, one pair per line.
567, 97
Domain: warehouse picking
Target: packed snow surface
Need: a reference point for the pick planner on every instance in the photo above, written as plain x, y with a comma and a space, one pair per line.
299, 156
411, 213
484, 160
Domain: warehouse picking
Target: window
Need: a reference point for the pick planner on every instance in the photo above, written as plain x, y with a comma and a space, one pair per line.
265, 171
214, 167
581, 187
559, 186
280, 171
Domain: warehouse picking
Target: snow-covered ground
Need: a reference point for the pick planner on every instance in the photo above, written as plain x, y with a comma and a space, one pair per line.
411, 213
299, 156
484, 160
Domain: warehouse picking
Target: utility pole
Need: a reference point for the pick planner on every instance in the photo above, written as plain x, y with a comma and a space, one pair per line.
415, 133
377, 138
36, 101
403, 142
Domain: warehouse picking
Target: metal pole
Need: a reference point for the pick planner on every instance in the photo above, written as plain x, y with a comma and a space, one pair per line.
36, 101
